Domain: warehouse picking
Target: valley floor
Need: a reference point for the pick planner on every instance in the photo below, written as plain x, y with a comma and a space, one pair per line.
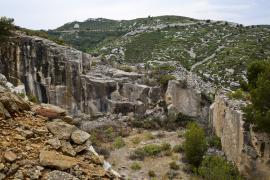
158, 165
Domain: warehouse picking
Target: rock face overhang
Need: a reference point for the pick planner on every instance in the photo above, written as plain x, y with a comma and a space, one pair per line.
248, 150
62, 76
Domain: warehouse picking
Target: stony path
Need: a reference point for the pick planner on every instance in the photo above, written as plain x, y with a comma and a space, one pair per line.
206, 59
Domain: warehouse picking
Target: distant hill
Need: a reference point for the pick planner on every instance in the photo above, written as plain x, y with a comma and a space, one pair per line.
218, 51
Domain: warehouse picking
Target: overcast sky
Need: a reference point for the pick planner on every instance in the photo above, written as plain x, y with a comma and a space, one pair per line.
49, 14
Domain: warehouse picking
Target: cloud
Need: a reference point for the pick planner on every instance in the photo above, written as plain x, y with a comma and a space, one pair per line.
45, 14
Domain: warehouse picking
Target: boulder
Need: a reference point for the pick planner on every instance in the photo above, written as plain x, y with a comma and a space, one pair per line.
51, 111
61, 129
185, 100
79, 136
12, 103
56, 160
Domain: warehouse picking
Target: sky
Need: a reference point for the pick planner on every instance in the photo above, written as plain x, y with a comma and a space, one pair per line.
50, 14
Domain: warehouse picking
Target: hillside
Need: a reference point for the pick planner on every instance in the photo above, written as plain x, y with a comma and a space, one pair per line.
218, 51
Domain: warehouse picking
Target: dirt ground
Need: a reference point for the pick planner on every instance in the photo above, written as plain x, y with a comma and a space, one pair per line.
159, 164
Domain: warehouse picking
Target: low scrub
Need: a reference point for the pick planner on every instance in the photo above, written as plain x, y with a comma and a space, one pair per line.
215, 167
119, 143
149, 150
135, 166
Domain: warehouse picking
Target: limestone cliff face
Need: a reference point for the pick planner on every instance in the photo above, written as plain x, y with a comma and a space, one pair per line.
63, 76
247, 149
188, 101
49, 71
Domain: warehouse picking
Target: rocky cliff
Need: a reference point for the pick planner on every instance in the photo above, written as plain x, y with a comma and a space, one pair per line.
61, 75
247, 149
65, 77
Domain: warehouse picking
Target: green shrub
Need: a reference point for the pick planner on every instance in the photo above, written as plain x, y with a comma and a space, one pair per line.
258, 112
174, 165
178, 148
148, 150
33, 99
214, 167
136, 140
22, 95
125, 68
195, 144
238, 94
152, 149
164, 79
119, 143
165, 147
214, 141
151, 173
135, 166
6, 27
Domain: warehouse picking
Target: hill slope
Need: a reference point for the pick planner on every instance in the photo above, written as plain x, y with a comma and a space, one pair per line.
218, 51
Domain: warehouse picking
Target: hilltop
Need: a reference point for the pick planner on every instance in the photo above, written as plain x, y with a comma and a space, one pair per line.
218, 51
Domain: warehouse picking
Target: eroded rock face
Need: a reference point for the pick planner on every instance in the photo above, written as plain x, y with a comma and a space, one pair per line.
188, 101
64, 77
248, 150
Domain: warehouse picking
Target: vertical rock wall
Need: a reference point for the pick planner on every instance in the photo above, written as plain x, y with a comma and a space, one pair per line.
248, 150
49, 71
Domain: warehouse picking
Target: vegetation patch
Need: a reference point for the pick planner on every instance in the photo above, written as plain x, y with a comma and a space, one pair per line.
215, 167
195, 144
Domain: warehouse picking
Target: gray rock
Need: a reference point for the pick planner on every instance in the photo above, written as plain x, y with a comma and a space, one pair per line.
55, 143
67, 148
79, 136
60, 175
61, 129
188, 101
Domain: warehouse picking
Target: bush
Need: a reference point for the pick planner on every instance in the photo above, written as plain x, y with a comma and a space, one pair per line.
214, 141
165, 147
136, 140
164, 79
174, 166
195, 144
125, 68
238, 94
135, 166
152, 149
148, 150
119, 143
178, 148
33, 99
6, 27
151, 173
214, 167
258, 112
22, 95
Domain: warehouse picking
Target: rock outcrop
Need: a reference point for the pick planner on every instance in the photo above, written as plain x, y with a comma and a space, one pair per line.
188, 101
61, 76
248, 150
